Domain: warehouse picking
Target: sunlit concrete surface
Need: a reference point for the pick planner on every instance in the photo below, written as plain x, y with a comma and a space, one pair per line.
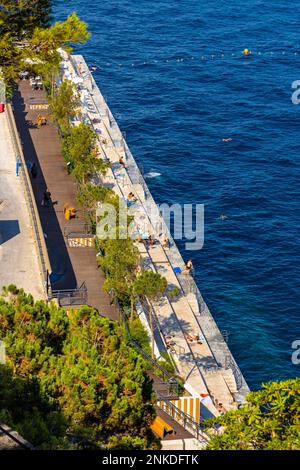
18, 255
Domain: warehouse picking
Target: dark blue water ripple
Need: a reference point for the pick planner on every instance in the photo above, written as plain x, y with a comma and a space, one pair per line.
176, 103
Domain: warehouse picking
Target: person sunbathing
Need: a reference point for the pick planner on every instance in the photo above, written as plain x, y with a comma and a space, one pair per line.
131, 197
165, 242
121, 161
187, 267
151, 240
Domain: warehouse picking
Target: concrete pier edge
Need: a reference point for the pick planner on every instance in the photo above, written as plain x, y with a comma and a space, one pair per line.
207, 323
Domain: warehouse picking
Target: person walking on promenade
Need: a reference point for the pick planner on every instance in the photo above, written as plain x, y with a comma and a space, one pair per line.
46, 198
33, 170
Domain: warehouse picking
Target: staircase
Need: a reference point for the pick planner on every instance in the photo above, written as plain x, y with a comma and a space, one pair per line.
230, 380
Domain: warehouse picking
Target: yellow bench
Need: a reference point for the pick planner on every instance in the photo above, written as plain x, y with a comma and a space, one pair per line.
69, 212
161, 428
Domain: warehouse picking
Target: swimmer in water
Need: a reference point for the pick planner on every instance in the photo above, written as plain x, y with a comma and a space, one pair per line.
227, 139
223, 217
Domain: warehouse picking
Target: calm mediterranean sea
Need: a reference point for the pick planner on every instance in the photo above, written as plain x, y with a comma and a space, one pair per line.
177, 82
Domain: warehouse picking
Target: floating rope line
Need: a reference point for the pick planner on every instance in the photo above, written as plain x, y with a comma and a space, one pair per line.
242, 56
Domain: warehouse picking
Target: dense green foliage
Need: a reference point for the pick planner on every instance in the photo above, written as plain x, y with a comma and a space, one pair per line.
174, 293
92, 194
152, 286
119, 264
270, 420
21, 17
71, 381
28, 41
10, 59
64, 104
80, 150
139, 335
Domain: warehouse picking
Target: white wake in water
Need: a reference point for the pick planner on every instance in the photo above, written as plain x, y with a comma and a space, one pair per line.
152, 174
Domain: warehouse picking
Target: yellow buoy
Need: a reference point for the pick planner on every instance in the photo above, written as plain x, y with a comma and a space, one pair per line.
246, 51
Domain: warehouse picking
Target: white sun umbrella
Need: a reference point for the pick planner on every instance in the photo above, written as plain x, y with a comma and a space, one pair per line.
77, 80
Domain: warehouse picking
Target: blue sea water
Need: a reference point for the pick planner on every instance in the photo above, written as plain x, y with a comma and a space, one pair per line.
175, 78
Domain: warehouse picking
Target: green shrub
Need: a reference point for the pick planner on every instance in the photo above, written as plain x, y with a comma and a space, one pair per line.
139, 334
71, 381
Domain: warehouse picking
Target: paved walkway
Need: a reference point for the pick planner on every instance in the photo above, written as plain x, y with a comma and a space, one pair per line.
18, 255
70, 266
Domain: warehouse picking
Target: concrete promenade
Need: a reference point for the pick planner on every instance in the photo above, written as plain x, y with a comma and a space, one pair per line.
18, 255
204, 369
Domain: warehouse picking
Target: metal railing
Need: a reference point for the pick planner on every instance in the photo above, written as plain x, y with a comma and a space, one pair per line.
185, 420
69, 297
43, 258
